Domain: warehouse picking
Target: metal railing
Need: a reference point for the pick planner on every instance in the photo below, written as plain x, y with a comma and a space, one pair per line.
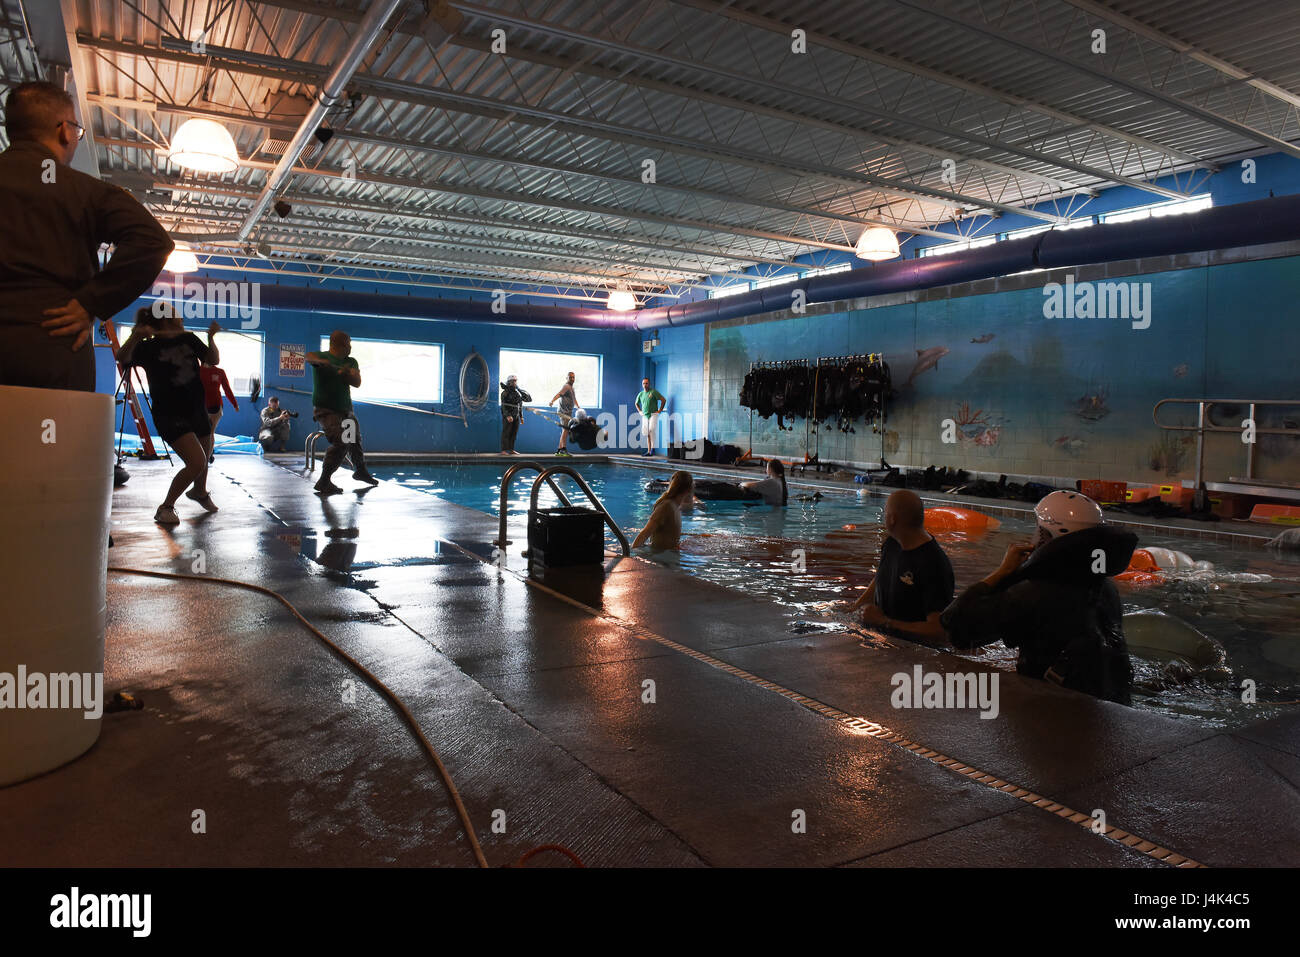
501, 540
586, 490
309, 450
1201, 427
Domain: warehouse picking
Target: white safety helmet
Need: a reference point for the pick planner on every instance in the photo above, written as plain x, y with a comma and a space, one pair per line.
1063, 512
511, 378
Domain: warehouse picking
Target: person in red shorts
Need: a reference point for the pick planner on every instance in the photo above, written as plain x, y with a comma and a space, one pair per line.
214, 381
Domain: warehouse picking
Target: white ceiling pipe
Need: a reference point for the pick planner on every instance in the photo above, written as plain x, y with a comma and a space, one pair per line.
371, 27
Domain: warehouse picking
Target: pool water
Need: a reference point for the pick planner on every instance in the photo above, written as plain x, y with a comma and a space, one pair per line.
810, 555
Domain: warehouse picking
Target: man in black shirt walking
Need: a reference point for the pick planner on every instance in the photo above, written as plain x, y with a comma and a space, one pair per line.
56, 218
914, 581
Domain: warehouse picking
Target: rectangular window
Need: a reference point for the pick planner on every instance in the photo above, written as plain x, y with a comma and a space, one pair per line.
827, 270
945, 249
397, 371
735, 289
242, 356
1175, 207
542, 373
774, 281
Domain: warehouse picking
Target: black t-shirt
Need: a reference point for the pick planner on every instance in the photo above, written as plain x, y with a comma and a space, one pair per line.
172, 365
912, 583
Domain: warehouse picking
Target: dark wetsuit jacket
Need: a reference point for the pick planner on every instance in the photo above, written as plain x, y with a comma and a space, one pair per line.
1060, 610
513, 399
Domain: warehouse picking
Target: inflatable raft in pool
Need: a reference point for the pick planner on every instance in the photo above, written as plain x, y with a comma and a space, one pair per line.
709, 490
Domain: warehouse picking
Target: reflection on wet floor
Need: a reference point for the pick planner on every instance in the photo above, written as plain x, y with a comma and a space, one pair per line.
348, 550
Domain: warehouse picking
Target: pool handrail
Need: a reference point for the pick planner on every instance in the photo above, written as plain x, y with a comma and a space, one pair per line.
309, 450
586, 490
501, 540
1201, 428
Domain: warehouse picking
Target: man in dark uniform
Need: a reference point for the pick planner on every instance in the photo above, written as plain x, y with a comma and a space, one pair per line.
56, 218
914, 581
512, 411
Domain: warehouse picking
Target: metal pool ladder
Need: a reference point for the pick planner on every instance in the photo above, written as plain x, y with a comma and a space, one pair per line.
1203, 426
309, 450
544, 475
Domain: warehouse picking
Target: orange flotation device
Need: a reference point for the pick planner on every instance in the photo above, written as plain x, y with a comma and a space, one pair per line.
948, 518
1142, 569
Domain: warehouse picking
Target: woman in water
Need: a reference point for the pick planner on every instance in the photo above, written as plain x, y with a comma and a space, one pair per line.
773, 487
664, 528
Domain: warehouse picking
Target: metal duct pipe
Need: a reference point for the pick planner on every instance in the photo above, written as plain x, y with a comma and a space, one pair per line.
335, 302
1244, 224
369, 29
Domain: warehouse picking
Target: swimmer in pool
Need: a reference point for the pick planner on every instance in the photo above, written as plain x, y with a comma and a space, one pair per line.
773, 487
1054, 601
664, 528
914, 581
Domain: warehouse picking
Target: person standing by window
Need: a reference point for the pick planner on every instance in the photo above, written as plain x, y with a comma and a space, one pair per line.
512, 413
214, 381
335, 374
568, 400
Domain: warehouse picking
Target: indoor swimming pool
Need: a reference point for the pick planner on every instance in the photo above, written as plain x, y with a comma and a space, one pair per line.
806, 557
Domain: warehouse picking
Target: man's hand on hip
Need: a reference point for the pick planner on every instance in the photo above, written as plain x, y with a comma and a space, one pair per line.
69, 320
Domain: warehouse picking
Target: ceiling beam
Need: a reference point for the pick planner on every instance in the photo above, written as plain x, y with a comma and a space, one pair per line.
837, 103
1146, 92
177, 51
1186, 49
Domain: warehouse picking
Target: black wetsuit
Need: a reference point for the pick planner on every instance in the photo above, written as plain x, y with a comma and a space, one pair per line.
1061, 611
512, 410
911, 583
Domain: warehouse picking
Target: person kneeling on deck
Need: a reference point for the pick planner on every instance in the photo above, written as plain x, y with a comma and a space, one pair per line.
335, 374
914, 581
1054, 601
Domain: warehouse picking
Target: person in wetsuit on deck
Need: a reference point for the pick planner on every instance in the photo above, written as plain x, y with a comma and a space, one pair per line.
1054, 601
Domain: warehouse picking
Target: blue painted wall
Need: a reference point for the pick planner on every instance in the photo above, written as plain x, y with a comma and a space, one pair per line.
395, 430
1039, 396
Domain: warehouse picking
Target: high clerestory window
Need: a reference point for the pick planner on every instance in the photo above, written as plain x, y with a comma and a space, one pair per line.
1173, 207
738, 286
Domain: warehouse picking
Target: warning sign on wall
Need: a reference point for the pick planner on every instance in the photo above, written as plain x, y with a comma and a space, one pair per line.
292, 358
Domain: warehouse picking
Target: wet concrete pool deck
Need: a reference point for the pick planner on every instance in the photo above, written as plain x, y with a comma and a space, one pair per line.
535, 700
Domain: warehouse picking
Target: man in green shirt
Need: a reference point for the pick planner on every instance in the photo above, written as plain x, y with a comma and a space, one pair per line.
334, 374
649, 403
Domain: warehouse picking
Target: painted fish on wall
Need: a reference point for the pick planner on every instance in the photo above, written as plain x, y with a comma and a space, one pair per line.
1070, 444
980, 340
926, 359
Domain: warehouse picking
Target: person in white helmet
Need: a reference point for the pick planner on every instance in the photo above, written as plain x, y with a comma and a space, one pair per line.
512, 412
1054, 601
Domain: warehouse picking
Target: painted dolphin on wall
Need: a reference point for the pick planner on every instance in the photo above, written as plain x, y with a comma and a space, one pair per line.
926, 359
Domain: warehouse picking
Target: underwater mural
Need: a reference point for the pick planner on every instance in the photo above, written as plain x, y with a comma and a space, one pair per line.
1041, 396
